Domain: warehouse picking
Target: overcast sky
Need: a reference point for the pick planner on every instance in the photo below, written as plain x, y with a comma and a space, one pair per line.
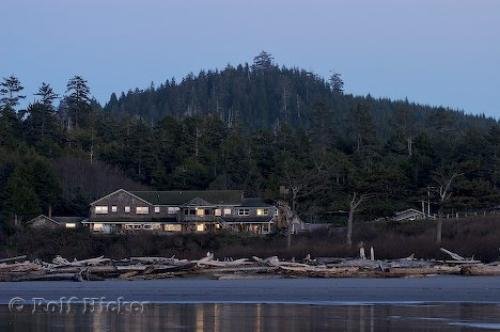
439, 52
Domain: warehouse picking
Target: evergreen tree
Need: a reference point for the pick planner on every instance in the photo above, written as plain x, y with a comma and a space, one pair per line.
47, 95
336, 83
263, 61
22, 202
10, 92
78, 99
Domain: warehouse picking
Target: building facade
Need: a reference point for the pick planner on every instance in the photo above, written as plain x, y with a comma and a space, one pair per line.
181, 211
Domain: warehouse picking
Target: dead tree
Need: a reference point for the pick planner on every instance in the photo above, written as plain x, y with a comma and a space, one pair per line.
444, 191
288, 220
353, 207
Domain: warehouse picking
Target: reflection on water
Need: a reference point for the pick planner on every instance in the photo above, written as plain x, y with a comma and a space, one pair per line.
263, 317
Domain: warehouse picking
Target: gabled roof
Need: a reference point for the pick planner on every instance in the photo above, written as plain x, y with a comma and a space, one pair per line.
58, 220
116, 191
176, 198
42, 216
408, 211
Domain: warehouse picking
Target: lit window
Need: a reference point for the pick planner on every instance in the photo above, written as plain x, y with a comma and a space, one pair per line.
218, 212
173, 210
142, 210
70, 225
200, 227
157, 209
227, 212
114, 208
200, 212
262, 212
127, 209
101, 210
98, 227
173, 227
243, 212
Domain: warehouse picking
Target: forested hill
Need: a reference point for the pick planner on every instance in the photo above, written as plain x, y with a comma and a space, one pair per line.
265, 95
272, 131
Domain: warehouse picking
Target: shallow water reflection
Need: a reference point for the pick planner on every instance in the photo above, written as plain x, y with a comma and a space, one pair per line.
263, 317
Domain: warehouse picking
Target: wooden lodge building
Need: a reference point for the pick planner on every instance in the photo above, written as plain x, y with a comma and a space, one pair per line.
180, 211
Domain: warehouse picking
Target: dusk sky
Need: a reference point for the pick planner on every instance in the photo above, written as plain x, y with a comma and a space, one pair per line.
439, 52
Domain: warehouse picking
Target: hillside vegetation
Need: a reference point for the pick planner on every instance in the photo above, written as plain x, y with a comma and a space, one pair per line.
283, 133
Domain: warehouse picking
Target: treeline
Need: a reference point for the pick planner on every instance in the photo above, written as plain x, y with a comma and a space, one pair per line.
279, 132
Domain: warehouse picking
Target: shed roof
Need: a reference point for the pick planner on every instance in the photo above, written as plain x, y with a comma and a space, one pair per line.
57, 220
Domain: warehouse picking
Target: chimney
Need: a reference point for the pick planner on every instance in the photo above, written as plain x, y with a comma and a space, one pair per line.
50, 211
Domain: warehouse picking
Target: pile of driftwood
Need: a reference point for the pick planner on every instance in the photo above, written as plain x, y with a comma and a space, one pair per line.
149, 268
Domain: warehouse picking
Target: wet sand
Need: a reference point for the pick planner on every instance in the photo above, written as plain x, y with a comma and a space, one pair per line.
305, 291
263, 317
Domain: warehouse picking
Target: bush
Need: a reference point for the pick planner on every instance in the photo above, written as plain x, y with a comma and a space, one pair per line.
478, 237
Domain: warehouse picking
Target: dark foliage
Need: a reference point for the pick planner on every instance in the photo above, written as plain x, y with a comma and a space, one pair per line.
283, 133
478, 237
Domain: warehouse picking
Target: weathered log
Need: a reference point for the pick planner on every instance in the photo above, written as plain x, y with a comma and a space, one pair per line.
454, 262
274, 262
60, 261
217, 263
21, 267
244, 269
160, 260
208, 258
480, 270
125, 268
169, 268
453, 255
12, 259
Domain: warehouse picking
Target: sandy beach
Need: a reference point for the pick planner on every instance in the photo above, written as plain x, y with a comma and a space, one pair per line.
313, 291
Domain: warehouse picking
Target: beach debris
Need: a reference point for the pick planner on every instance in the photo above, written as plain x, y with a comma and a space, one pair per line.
457, 259
13, 259
151, 268
453, 255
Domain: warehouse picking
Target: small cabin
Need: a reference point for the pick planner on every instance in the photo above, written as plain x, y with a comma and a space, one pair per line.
43, 221
409, 215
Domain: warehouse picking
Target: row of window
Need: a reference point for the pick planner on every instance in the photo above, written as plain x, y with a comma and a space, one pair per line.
103, 209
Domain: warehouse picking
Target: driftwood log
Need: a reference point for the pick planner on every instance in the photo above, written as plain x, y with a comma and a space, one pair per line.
150, 268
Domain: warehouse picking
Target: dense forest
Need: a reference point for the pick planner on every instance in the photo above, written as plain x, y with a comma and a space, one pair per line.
283, 133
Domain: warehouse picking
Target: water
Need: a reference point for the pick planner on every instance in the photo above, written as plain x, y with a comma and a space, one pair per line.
264, 317
427, 304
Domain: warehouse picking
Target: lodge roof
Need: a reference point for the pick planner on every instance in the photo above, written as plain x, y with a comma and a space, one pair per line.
179, 197
254, 202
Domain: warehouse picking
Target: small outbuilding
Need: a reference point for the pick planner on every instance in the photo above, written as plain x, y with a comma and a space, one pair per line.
43, 221
409, 215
